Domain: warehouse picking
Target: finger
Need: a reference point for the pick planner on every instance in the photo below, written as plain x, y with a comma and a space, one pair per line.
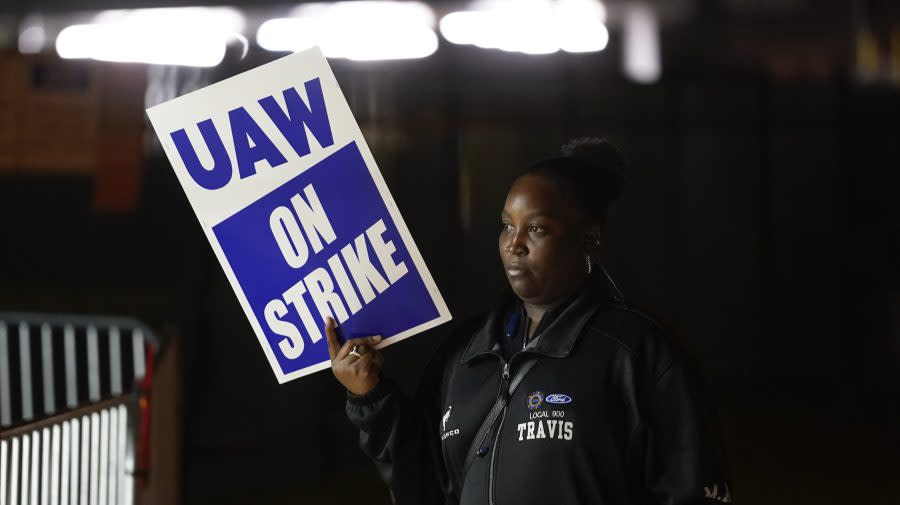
361, 350
361, 345
334, 345
360, 342
365, 362
370, 362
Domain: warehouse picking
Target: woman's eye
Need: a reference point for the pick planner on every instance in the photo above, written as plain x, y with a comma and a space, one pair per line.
505, 226
535, 228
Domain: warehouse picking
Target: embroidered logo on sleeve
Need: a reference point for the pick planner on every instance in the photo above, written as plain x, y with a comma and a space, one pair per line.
446, 418
713, 493
447, 434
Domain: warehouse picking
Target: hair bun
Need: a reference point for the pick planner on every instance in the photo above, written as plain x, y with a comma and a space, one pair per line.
604, 161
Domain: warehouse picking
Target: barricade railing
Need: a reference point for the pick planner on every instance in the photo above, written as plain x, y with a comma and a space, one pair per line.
84, 456
50, 363
74, 408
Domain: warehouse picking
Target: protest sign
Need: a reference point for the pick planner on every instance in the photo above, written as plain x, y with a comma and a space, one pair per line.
292, 202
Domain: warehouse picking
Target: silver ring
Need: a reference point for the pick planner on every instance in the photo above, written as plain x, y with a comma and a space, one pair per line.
353, 352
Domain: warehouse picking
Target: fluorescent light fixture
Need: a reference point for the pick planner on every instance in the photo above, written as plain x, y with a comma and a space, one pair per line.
641, 45
190, 36
32, 35
530, 26
362, 31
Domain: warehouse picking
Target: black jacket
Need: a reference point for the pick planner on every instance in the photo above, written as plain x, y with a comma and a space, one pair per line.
607, 412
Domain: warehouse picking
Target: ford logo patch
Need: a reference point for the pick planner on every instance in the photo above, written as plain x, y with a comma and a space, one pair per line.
558, 398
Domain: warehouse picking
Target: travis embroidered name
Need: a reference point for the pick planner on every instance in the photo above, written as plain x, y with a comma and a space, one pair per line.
532, 430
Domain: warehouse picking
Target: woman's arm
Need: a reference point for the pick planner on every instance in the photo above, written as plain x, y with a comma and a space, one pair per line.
398, 433
684, 460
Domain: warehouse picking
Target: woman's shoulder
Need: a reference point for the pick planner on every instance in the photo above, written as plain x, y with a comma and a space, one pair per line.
455, 335
641, 335
474, 328
453, 339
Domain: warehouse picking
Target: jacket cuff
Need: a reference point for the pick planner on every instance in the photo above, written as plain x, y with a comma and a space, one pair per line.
379, 392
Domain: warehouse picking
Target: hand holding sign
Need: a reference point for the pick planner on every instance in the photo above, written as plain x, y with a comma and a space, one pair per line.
358, 374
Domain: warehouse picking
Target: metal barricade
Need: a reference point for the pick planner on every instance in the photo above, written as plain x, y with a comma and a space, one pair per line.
73, 408
82, 457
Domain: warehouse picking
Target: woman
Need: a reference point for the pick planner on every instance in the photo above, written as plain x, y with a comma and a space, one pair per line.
562, 394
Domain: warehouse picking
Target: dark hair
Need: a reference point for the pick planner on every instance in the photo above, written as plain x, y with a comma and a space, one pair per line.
589, 169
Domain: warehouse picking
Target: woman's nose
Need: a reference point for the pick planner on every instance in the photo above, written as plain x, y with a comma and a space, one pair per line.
515, 244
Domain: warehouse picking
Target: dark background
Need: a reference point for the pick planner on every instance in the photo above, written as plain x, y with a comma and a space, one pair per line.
760, 221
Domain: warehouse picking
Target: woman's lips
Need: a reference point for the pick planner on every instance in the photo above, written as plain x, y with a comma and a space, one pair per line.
515, 270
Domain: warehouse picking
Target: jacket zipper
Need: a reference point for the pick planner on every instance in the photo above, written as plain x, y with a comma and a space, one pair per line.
504, 390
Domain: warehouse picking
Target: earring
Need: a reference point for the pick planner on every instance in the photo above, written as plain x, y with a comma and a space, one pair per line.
587, 262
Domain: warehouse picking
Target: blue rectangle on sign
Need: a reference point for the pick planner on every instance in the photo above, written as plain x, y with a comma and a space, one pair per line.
324, 243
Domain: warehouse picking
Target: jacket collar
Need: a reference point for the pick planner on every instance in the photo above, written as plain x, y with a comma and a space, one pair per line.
559, 337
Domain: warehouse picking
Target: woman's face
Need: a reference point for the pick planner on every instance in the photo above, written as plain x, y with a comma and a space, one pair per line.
541, 242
